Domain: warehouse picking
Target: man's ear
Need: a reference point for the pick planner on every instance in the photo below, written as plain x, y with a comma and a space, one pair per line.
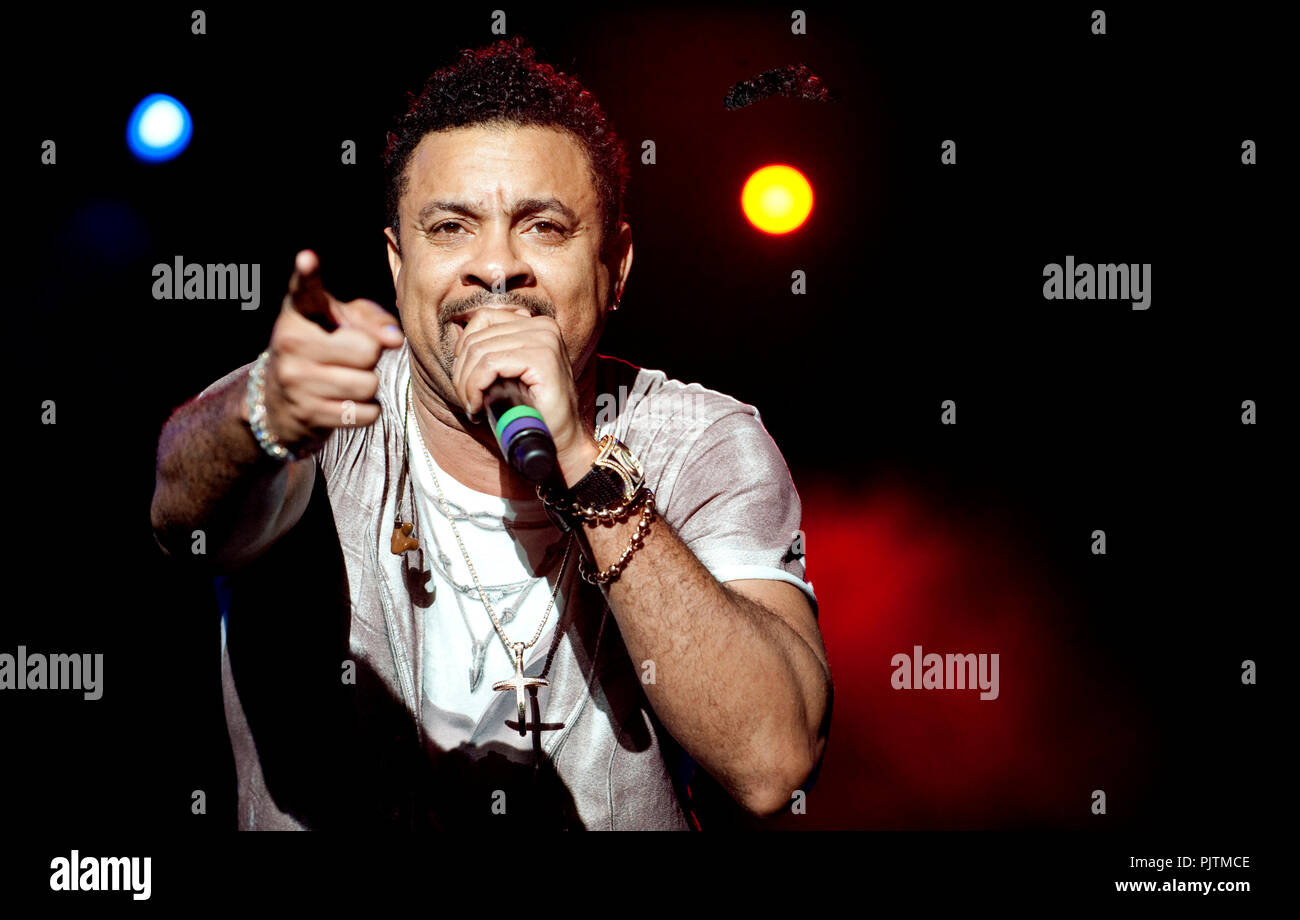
620, 261
394, 255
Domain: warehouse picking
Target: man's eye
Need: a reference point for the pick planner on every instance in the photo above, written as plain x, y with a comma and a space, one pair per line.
445, 223
549, 227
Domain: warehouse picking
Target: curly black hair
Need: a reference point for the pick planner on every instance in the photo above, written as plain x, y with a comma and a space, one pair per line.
504, 83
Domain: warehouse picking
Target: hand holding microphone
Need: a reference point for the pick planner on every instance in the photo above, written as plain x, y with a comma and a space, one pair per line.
514, 368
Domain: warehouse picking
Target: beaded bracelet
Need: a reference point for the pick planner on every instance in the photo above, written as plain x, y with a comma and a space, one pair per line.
638, 537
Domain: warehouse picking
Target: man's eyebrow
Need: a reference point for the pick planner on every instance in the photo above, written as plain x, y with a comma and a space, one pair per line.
536, 205
455, 207
521, 208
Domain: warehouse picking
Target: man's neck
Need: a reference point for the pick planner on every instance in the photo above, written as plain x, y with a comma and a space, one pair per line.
468, 452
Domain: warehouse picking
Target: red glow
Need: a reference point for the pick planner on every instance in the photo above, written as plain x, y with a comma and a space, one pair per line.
892, 571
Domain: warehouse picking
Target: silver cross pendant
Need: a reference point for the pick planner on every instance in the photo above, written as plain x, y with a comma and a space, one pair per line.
519, 684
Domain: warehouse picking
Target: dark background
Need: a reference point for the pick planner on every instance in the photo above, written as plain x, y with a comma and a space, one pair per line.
1119, 672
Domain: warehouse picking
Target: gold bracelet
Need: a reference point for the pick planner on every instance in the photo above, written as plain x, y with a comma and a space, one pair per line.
638, 537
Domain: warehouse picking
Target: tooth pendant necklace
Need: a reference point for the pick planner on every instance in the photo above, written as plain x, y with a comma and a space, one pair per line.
476, 666
479, 647
518, 683
519, 591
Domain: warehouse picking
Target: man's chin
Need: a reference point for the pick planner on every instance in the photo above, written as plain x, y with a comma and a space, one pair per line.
447, 355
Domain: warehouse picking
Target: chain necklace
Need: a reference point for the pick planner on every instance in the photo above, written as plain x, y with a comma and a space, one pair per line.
486, 520
519, 683
479, 647
442, 565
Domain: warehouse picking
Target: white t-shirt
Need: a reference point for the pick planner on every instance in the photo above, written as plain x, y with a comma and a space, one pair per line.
517, 554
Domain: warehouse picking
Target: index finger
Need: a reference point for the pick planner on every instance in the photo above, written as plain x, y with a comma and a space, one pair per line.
307, 295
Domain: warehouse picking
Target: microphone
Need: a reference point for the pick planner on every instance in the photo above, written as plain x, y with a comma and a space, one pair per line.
522, 435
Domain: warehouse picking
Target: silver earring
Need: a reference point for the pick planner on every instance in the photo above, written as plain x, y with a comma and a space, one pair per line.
615, 307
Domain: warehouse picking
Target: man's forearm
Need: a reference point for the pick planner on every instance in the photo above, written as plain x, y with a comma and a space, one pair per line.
739, 689
211, 475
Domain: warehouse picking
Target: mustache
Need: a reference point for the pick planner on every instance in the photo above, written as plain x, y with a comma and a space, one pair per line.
536, 306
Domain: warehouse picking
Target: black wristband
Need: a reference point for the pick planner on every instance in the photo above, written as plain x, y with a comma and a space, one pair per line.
600, 488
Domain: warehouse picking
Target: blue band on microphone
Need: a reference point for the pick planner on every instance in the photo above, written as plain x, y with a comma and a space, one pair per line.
522, 423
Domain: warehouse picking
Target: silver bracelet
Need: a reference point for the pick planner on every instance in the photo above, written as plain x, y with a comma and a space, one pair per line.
257, 412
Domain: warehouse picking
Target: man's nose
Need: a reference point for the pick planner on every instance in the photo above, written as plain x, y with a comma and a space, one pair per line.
496, 263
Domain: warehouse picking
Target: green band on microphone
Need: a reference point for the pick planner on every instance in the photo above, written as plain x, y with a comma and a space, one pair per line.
513, 413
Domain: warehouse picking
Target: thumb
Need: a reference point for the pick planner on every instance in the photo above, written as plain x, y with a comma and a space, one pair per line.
374, 320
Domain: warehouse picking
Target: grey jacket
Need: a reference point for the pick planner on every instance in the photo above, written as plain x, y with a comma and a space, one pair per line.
323, 638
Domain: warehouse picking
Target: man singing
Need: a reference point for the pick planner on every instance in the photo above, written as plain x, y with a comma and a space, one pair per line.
416, 635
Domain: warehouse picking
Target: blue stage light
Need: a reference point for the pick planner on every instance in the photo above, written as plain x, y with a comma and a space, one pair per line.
159, 129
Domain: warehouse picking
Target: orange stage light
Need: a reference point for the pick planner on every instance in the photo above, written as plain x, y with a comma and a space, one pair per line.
777, 199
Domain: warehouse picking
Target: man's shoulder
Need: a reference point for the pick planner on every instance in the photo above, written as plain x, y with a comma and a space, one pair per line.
644, 400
